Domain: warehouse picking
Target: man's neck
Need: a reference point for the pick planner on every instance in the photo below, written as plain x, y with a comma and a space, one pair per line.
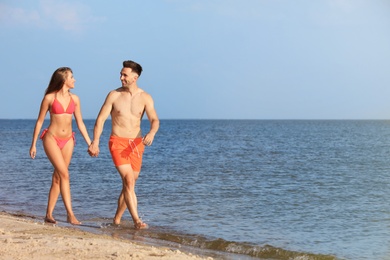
131, 89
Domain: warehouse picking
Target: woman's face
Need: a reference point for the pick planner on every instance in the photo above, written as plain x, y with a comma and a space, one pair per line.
69, 81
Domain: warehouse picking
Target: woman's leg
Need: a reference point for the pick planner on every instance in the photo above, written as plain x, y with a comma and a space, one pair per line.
53, 197
60, 160
55, 190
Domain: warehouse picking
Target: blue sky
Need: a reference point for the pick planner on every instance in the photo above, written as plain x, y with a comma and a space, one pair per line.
214, 59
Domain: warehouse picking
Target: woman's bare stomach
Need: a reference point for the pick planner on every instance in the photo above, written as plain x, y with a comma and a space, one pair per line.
61, 132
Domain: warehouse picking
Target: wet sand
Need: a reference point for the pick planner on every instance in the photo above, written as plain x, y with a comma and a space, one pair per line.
23, 238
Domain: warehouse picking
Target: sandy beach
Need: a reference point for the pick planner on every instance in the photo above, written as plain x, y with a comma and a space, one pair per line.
23, 238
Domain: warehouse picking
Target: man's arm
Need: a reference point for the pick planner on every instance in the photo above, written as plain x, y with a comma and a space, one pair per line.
153, 119
99, 124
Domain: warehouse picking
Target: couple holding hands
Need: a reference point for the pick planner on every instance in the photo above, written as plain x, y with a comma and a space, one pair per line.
126, 105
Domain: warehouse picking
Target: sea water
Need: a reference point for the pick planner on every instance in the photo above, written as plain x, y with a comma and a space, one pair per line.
265, 189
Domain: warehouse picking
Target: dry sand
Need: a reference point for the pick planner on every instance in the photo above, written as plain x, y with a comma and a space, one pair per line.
22, 238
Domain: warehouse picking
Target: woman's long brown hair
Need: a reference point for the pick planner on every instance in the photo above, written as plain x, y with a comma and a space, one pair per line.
58, 79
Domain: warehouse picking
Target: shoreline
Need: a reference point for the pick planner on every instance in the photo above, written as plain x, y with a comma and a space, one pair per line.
26, 238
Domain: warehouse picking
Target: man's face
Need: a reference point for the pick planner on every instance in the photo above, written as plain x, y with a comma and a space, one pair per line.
128, 77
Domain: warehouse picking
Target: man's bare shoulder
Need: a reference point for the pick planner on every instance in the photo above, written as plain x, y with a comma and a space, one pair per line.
115, 92
112, 96
145, 94
120, 90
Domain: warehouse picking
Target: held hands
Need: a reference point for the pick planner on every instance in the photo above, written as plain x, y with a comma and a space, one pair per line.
93, 150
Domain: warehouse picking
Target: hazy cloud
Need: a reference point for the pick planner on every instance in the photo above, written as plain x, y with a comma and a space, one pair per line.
69, 16
18, 16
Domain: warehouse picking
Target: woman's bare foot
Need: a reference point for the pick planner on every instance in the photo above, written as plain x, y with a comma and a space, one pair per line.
50, 220
73, 220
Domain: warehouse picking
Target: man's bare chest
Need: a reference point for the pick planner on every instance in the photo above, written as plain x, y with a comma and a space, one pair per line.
131, 106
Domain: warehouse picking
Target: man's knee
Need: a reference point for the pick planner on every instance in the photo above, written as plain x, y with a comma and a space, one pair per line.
56, 178
129, 181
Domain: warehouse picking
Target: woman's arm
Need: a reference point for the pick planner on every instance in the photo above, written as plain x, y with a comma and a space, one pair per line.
45, 104
79, 120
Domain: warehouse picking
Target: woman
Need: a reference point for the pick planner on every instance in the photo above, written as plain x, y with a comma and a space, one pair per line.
58, 139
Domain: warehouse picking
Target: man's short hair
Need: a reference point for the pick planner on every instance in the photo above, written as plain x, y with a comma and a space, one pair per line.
134, 66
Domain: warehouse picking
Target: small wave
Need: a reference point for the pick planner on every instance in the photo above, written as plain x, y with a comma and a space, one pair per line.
262, 252
172, 238
231, 247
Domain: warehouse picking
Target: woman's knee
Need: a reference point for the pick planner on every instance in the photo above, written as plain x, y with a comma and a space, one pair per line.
62, 175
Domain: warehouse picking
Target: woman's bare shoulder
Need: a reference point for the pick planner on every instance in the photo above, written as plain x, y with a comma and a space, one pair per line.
49, 97
74, 96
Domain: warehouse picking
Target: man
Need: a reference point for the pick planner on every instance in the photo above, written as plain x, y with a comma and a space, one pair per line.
127, 106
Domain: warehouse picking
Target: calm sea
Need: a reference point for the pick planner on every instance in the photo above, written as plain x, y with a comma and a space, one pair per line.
235, 189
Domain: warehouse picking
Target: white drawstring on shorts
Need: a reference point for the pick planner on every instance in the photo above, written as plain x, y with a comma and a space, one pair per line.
132, 143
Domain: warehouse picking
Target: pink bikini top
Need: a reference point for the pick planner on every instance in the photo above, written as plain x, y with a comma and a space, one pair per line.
56, 107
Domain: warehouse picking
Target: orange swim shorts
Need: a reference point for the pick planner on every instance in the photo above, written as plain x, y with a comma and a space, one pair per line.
127, 151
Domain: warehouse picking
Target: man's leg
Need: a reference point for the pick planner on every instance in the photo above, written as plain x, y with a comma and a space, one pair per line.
122, 204
120, 209
128, 198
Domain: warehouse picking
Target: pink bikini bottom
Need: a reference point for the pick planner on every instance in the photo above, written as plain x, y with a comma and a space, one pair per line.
60, 141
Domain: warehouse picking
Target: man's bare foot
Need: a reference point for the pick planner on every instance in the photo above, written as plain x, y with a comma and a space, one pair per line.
73, 220
50, 220
141, 225
116, 221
